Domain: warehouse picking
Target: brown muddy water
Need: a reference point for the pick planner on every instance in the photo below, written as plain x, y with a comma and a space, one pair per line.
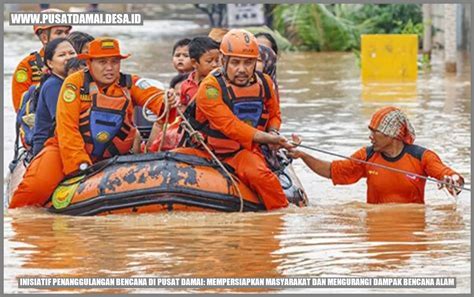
337, 235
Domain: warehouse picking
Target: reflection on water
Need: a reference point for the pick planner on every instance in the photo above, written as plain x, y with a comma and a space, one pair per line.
194, 245
389, 92
351, 239
337, 235
394, 234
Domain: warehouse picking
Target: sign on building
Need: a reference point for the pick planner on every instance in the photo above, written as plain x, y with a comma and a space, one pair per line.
240, 15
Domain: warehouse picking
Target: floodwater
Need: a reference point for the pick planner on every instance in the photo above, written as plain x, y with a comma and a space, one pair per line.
337, 235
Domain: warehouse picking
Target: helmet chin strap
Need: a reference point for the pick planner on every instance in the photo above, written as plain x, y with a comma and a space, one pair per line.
224, 67
49, 34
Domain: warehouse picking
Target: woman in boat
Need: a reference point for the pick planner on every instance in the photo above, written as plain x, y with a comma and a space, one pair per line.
94, 121
56, 54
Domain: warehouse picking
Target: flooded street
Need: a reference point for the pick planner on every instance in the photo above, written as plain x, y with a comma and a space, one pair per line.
322, 99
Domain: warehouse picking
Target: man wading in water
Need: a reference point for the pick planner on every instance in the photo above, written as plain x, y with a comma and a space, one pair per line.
392, 137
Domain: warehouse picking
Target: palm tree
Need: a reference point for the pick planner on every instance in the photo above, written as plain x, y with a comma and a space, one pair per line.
314, 27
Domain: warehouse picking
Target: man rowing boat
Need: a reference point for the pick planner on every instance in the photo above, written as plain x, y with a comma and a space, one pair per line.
392, 137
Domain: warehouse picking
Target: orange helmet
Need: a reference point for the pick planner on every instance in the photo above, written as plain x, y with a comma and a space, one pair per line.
239, 43
36, 28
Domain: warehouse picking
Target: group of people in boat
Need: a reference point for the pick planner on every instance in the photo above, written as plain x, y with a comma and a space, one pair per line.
75, 107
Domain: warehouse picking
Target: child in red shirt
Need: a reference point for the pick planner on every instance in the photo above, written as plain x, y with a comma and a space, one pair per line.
152, 145
204, 54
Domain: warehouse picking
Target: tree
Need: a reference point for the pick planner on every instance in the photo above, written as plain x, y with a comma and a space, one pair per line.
215, 12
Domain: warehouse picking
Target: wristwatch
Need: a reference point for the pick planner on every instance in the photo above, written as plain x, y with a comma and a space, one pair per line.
83, 166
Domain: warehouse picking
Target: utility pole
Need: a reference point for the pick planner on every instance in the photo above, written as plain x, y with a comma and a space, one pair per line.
450, 44
427, 24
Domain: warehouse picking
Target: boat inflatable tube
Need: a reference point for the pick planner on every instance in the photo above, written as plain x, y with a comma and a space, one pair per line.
165, 181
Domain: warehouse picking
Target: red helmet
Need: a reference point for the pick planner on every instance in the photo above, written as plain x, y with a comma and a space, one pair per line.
239, 43
36, 28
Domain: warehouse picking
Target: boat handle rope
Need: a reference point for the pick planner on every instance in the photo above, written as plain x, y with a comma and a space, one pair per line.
381, 166
193, 133
290, 182
165, 114
144, 107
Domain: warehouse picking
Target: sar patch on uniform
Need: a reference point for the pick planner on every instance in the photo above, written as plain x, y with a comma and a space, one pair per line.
69, 95
103, 137
212, 92
71, 86
21, 76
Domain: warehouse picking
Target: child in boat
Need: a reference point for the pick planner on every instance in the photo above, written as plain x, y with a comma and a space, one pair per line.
181, 60
152, 145
182, 64
204, 54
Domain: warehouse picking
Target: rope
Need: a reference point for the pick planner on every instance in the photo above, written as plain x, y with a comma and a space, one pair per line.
382, 166
193, 133
166, 114
165, 126
145, 116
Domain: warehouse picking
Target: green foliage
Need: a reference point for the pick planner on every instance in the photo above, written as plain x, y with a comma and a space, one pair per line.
314, 27
282, 42
339, 26
411, 28
425, 62
358, 59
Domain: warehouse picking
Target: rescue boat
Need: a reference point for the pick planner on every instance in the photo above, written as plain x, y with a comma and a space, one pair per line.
158, 182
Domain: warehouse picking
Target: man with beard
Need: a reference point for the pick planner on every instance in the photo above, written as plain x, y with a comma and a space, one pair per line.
237, 110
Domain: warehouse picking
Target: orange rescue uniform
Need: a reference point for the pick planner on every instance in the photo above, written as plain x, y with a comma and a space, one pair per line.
64, 152
385, 186
26, 74
249, 163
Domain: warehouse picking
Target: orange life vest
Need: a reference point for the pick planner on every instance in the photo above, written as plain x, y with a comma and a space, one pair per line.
247, 103
105, 127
